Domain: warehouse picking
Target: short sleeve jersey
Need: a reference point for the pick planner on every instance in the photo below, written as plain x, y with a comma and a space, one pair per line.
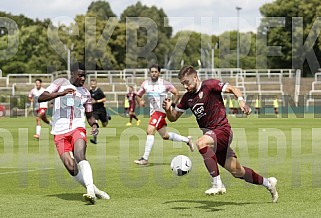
207, 105
97, 94
69, 110
156, 93
35, 93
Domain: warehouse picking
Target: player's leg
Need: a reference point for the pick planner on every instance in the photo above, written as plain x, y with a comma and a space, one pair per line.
175, 137
96, 116
148, 145
206, 147
85, 169
103, 117
42, 115
38, 127
238, 171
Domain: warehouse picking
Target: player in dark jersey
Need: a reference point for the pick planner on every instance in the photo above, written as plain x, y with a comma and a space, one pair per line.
99, 110
131, 96
205, 100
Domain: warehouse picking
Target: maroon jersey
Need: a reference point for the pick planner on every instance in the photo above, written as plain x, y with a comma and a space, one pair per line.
131, 99
207, 105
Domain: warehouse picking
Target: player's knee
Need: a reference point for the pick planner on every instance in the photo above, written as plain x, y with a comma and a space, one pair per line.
201, 143
165, 137
236, 172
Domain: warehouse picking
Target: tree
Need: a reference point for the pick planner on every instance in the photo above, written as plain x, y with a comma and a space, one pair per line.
101, 10
288, 24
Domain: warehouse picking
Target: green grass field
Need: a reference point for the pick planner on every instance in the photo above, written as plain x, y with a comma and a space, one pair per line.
34, 183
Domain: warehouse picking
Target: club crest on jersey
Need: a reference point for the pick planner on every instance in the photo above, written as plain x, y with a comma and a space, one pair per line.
200, 95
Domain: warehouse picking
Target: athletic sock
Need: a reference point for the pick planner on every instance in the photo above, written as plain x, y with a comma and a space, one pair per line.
252, 177
79, 178
130, 118
38, 130
148, 146
217, 180
134, 116
178, 138
87, 174
210, 161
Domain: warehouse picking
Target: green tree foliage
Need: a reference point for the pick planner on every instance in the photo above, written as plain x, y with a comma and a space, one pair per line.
291, 33
139, 36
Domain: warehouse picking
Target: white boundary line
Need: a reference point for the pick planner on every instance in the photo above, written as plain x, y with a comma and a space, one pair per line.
22, 171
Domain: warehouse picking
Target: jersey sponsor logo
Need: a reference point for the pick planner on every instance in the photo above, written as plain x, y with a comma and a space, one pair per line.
198, 110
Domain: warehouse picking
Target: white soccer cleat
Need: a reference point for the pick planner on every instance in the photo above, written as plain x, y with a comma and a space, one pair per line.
216, 190
101, 195
90, 198
190, 143
272, 189
141, 161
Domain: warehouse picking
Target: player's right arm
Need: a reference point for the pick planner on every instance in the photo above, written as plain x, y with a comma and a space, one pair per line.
171, 113
46, 96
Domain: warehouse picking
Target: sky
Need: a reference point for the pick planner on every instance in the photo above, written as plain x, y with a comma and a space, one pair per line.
204, 16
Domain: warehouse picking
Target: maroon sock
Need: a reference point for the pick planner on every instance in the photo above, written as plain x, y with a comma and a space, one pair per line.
130, 118
134, 116
252, 177
210, 161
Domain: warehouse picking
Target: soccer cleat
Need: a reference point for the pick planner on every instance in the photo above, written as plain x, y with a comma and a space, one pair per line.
141, 161
272, 189
36, 136
190, 143
89, 198
101, 195
216, 189
128, 124
138, 122
93, 141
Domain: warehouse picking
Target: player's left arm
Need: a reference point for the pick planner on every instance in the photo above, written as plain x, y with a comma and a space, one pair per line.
239, 96
175, 93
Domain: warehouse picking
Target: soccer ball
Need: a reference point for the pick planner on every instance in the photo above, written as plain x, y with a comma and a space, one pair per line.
181, 165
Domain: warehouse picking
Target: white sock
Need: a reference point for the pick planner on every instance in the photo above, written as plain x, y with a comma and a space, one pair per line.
38, 130
148, 146
266, 182
87, 175
217, 180
78, 178
177, 138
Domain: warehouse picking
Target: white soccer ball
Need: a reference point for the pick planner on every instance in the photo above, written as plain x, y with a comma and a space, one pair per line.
181, 165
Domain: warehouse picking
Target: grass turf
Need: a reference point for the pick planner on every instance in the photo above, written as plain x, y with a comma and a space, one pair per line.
34, 182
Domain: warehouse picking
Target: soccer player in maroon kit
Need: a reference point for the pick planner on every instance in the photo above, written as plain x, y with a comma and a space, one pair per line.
131, 96
205, 100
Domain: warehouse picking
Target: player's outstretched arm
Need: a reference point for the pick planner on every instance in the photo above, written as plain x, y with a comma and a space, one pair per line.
238, 94
46, 96
171, 113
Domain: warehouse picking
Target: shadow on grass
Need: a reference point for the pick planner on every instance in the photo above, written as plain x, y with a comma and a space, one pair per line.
68, 196
210, 206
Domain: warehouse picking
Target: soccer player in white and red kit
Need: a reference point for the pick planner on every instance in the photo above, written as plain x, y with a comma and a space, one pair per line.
204, 98
72, 106
39, 108
156, 90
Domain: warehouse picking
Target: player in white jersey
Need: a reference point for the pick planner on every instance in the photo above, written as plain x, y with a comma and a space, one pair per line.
39, 108
156, 90
72, 106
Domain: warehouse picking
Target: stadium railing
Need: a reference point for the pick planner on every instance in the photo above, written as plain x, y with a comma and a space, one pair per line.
315, 92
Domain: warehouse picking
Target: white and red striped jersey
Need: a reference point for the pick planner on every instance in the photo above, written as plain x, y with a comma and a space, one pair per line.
34, 94
69, 110
156, 93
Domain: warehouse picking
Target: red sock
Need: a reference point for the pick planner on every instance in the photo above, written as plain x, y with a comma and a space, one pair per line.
210, 161
252, 177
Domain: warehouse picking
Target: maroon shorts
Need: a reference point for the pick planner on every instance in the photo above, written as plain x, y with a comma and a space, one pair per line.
132, 107
222, 140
